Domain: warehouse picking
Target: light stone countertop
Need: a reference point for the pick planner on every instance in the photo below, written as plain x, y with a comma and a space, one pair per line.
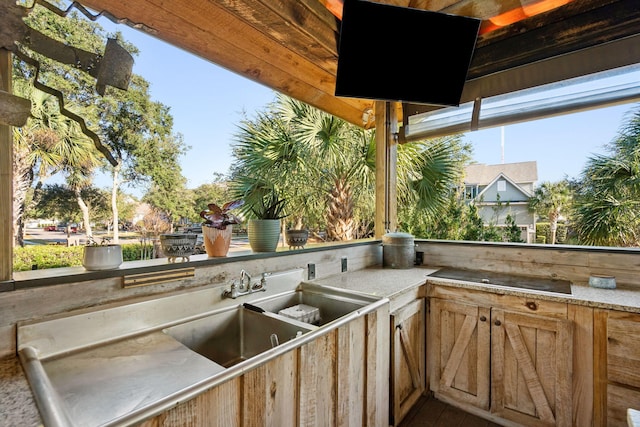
17, 405
378, 281
390, 283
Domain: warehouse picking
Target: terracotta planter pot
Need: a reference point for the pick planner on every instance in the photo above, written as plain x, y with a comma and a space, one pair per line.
102, 257
216, 241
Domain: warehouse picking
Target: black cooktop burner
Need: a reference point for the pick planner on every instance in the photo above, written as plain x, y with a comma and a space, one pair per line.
503, 279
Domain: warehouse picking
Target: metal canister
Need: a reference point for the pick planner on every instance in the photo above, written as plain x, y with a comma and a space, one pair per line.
398, 250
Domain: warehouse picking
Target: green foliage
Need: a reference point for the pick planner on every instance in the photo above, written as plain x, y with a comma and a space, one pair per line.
46, 256
59, 201
543, 229
57, 256
457, 221
262, 199
550, 201
608, 194
136, 130
270, 207
512, 232
215, 192
325, 168
131, 251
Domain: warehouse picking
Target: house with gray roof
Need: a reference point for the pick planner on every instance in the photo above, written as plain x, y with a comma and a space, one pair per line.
501, 190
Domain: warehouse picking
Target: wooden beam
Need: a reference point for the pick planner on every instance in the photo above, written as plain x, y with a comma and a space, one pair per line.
578, 25
203, 28
392, 166
386, 173
6, 178
381, 174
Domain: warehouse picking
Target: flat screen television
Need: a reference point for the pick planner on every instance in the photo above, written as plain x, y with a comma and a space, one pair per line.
403, 54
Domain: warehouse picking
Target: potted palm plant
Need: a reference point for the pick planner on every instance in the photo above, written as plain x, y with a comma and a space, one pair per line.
218, 226
264, 228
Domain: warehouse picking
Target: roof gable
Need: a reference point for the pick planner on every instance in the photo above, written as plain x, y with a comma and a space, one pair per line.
493, 184
520, 173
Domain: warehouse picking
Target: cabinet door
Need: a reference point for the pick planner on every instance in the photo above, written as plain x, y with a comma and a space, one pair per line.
459, 354
408, 358
531, 368
617, 366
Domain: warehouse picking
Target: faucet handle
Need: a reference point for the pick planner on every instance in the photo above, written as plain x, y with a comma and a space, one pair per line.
263, 281
232, 292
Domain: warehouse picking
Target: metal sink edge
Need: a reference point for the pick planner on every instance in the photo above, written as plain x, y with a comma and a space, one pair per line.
56, 411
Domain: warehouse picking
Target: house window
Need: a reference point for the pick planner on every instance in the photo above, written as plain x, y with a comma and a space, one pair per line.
502, 185
470, 192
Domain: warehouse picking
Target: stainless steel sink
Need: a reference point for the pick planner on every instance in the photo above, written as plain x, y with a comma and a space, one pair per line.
331, 303
235, 335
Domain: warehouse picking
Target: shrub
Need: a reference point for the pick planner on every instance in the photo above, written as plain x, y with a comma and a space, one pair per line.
544, 229
54, 256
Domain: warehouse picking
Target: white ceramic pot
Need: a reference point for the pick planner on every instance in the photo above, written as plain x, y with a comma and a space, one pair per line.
102, 257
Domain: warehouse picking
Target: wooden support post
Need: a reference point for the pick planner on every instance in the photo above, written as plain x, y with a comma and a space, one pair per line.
6, 178
386, 161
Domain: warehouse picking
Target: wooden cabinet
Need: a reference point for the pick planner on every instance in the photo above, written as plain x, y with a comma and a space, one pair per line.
616, 366
407, 358
502, 357
459, 351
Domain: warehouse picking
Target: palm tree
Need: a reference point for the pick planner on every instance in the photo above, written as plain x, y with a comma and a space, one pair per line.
551, 199
326, 167
609, 192
49, 143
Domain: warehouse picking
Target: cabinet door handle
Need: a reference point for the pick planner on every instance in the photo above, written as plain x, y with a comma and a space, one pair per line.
497, 323
483, 319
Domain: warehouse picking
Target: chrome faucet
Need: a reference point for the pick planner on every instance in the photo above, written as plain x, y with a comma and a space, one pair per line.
244, 286
244, 275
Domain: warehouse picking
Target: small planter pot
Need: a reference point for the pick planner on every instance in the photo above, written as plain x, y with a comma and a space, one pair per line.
296, 239
264, 234
102, 257
216, 241
178, 245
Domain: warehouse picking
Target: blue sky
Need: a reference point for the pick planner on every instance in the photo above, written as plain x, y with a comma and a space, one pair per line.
207, 102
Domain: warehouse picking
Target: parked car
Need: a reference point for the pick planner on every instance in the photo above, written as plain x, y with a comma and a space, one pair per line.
194, 228
50, 228
199, 246
62, 227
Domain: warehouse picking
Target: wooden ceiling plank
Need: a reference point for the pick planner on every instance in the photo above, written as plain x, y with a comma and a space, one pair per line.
268, 63
203, 29
319, 9
484, 9
291, 24
200, 13
567, 11
552, 36
313, 20
436, 5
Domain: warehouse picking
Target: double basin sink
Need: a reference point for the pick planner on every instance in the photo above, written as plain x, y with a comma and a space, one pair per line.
243, 332
82, 376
